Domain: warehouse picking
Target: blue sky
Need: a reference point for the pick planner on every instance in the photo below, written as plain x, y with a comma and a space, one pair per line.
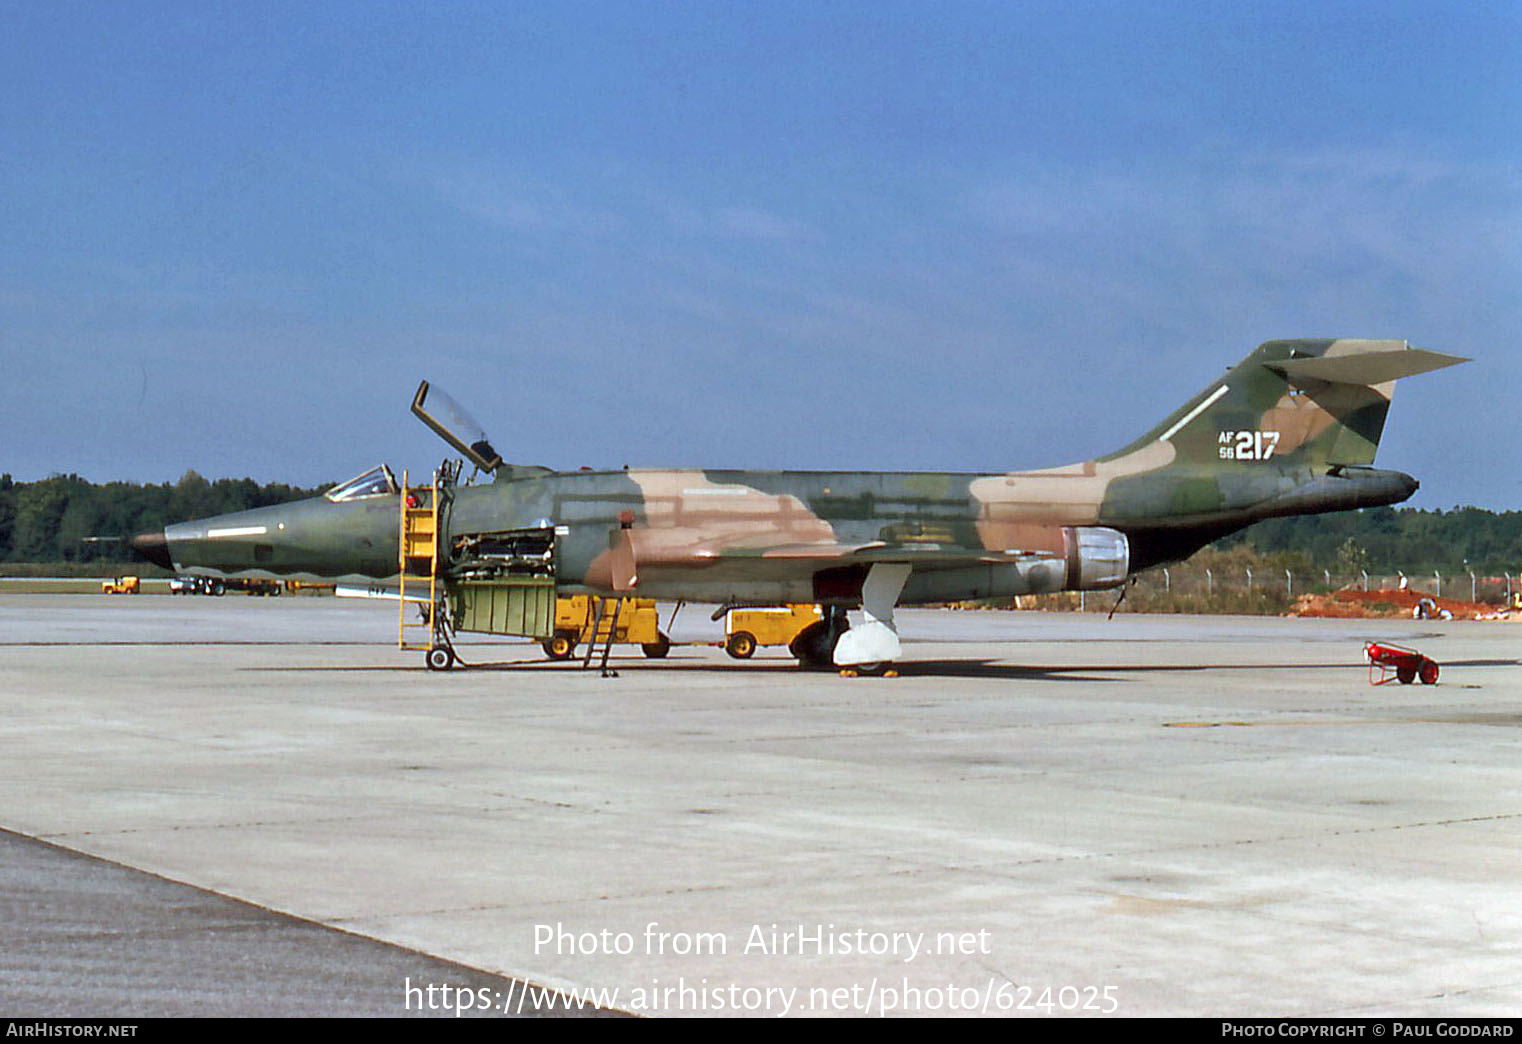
961, 236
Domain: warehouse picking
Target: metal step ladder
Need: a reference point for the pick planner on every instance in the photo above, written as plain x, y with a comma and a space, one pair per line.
603, 634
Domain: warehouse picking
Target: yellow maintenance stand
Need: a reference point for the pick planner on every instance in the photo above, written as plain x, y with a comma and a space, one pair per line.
588, 619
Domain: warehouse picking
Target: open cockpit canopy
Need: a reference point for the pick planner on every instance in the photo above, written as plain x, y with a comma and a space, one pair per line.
451, 423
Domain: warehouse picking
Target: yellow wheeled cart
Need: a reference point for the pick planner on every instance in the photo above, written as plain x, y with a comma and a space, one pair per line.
580, 619
745, 629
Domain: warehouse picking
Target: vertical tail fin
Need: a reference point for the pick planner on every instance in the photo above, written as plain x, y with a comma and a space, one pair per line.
1318, 403
1290, 430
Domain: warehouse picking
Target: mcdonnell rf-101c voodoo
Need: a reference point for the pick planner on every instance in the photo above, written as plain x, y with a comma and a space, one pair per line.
1292, 429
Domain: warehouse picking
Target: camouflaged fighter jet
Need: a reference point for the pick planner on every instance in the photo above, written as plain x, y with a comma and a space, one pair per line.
1292, 429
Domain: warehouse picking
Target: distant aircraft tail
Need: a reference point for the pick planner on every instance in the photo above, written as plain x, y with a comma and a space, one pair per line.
1315, 403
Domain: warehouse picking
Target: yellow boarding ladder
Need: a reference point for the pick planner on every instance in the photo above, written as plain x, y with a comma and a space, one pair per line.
418, 551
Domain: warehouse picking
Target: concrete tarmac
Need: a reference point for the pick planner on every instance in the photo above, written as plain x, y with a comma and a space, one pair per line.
86, 938
1045, 814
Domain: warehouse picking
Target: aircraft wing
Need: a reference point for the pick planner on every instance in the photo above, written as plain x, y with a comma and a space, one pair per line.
919, 555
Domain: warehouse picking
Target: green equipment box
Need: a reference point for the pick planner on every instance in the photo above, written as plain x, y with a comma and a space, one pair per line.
522, 606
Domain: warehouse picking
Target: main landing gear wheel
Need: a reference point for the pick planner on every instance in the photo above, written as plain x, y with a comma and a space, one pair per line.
559, 646
872, 646
440, 658
815, 644
741, 645
657, 649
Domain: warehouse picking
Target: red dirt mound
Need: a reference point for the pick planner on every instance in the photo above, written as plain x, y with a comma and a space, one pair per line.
1353, 604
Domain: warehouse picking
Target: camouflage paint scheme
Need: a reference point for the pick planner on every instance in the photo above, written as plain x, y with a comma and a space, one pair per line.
1292, 429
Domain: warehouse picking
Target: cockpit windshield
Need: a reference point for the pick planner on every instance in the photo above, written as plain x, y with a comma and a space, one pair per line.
377, 482
451, 423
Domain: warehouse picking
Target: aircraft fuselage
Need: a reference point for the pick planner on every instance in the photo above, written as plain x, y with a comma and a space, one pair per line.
1291, 429
788, 536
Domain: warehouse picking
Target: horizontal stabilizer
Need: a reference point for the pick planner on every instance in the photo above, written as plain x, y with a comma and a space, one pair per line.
1364, 368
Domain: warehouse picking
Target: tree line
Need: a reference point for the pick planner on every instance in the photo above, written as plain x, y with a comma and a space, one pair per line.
63, 518
50, 521
1384, 540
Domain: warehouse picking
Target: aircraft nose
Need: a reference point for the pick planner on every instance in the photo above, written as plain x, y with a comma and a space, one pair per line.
153, 546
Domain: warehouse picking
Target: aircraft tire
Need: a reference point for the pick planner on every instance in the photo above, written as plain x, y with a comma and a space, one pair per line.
559, 646
805, 645
440, 659
741, 645
815, 645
